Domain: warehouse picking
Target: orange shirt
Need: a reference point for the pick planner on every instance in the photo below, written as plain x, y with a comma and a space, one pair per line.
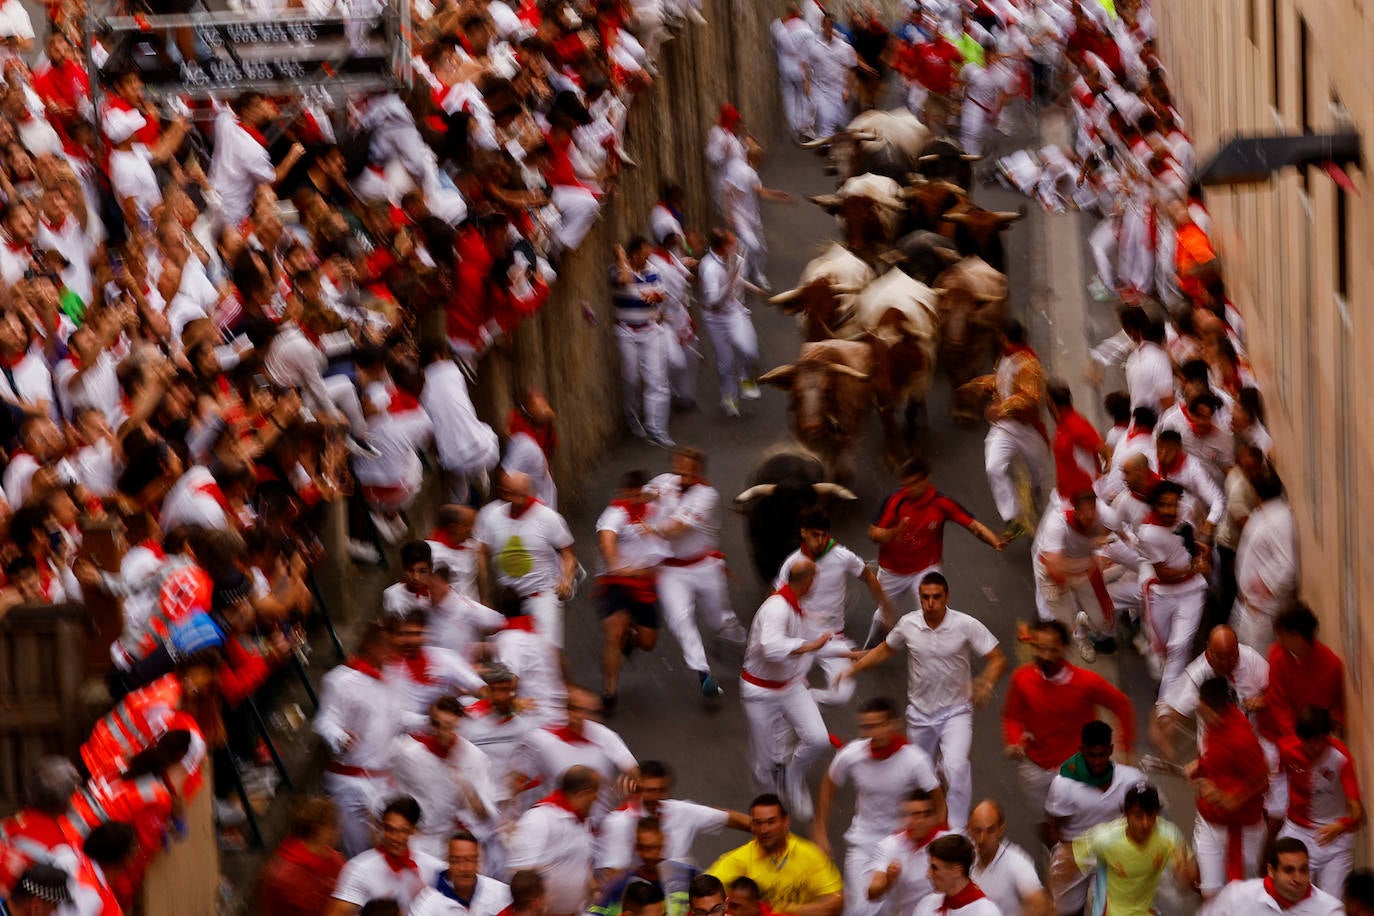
1193, 250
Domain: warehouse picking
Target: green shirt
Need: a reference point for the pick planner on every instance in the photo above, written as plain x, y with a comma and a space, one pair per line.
1128, 875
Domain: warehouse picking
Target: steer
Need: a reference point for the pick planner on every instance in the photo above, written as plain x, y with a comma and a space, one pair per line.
870, 209
883, 142
979, 232
973, 300
900, 319
826, 290
830, 398
786, 481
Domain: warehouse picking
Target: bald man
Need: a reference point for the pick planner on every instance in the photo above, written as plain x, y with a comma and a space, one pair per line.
781, 711
1004, 871
526, 548
1243, 668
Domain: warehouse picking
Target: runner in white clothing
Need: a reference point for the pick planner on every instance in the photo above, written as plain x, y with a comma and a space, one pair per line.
951, 880
792, 39
832, 62
941, 692
1286, 888
741, 190
1003, 870
884, 768
465, 889
728, 325
681, 821
555, 838
897, 876
391, 869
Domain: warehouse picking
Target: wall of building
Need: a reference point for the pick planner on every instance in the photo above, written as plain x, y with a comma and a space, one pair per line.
1298, 262
568, 349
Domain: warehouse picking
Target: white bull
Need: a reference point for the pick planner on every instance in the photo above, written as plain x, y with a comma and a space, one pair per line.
827, 288
885, 142
870, 208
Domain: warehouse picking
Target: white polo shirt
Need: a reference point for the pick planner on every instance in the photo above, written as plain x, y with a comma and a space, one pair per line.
441, 785
680, 821
913, 884
524, 550
1083, 806
1248, 680
488, 898
548, 753
367, 876
554, 842
1149, 376
1251, 897
879, 786
433, 674
1008, 879
824, 604
939, 663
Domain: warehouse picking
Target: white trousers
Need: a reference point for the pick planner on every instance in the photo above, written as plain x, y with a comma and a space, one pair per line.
1172, 614
1102, 241
359, 799
644, 360
1063, 600
796, 106
856, 902
683, 360
736, 346
577, 209
1035, 782
787, 735
833, 694
1254, 627
1006, 442
947, 736
1210, 843
832, 111
684, 590
754, 250
343, 395
547, 612
1330, 864
973, 127
1069, 896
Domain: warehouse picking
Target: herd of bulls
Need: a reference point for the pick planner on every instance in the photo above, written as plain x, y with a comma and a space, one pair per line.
918, 281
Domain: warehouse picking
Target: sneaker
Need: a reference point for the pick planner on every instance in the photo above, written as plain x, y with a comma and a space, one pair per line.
1141, 645
1098, 290
709, 688
734, 632
661, 440
729, 406
362, 449
363, 552
749, 389
1017, 528
1081, 641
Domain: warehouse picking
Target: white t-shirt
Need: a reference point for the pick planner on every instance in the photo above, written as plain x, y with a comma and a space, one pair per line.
1083, 806
879, 786
489, 898
547, 755
560, 847
681, 821
635, 548
524, 455
366, 877
698, 507
1248, 680
1250, 897
131, 175
824, 604
939, 667
1149, 376
831, 63
524, 550
934, 905
913, 883
1008, 879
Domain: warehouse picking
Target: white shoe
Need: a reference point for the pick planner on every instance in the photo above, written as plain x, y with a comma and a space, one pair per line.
729, 406
1082, 641
749, 389
363, 552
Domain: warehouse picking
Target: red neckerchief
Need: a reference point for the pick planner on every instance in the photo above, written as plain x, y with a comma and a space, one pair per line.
559, 800
485, 708
294, 850
365, 666
786, 594
1152, 480
421, 592
635, 510
565, 733
1283, 904
431, 742
256, 134
212, 490
1175, 467
523, 622
1012, 349
1073, 521
924, 840
546, 438
970, 893
418, 666
1192, 423
16, 246
398, 864
440, 536
1153, 518
516, 513
402, 401
1135, 432
895, 744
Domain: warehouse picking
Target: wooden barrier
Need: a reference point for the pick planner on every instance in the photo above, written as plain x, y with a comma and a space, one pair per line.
42, 663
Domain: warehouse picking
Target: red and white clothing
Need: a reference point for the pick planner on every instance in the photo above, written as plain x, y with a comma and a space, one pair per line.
498, 736
693, 579
96, 387
444, 782
399, 429
26, 378
971, 901
1188, 473
1076, 446
913, 884
461, 560
636, 548
429, 674
1214, 450
1008, 879
489, 898
553, 840
399, 599
916, 551
782, 713
681, 821
525, 455
1258, 896
458, 623
1228, 842
196, 499
1172, 610
240, 164
361, 713
939, 706
373, 875
294, 360
534, 660
824, 605
1019, 432
1266, 572
549, 752
882, 778
1317, 679
524, 551
18, 477
467, 447
1319, 790
1082, 587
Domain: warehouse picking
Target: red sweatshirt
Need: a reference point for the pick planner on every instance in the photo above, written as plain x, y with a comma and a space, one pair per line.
1294, 683
1054, 712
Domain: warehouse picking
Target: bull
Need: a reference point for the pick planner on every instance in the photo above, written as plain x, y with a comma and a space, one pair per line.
923, 254
830, 398
882, 142
972, 304
824, 294
900, 319
976, 231
787, 481
870, 209
945, 160
929, 200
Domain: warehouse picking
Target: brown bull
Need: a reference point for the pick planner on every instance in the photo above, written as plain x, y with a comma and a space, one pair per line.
976, 231
830, 398
929, 200
973, 299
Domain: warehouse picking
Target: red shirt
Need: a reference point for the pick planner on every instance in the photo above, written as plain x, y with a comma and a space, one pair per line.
921, 545
1294, 683
1072, 433
934, 64
298, 882
1234, 761
1054, 712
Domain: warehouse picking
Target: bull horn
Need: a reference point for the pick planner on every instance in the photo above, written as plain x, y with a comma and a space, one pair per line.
949, 186
784, 298
826, 201
970, 157
845, 289
817, 143
866, 136
985, 297
929, 157
1008, 215
849, 371
832, 489
939, 290
949, 255
757, 491
955, 217
780, 376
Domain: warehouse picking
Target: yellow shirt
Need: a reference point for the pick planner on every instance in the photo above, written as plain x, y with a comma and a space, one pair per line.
801, 874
